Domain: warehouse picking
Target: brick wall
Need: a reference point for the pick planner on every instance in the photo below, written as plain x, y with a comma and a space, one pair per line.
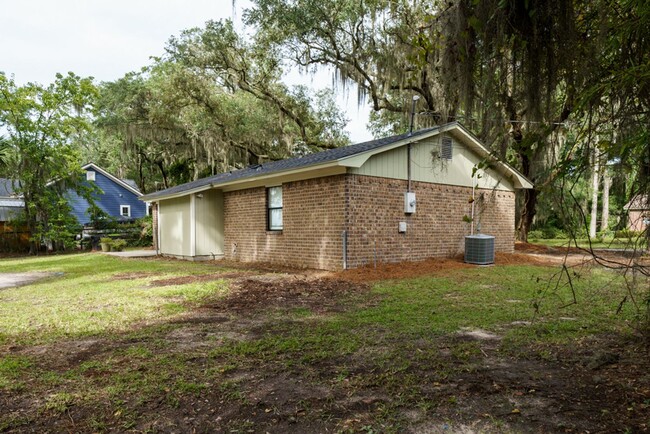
437, 229
313, 218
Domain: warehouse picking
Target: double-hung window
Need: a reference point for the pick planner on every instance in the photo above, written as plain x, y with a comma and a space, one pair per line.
125, 210
274, 208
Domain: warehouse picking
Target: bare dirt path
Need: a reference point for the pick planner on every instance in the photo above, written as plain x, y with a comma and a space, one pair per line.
11, 280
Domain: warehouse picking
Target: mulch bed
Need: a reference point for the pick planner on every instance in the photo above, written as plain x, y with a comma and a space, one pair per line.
430, 267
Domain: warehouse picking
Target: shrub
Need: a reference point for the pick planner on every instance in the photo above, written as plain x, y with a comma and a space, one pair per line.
550, 233
626, 233
106, 240
144, 235
535, 235
118, 245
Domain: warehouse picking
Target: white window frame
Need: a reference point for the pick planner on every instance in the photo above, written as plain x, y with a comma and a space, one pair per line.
269, 210
128, 207
91, 175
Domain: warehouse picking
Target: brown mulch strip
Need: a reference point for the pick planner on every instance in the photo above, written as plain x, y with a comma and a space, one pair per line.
401, 270
433, 266
521, 259
531, 248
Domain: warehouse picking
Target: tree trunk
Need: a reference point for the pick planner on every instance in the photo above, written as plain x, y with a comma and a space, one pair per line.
527, 213
595, 178
529, 206
607, 183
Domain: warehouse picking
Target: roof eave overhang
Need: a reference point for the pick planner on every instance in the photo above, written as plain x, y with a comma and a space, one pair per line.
247, 181
519, 181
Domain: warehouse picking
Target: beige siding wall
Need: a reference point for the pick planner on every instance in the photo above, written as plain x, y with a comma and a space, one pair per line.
313, 220
436, 229
209, 223
427, 167
174, 220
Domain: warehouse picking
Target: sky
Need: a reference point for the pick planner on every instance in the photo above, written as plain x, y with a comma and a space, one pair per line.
106, 39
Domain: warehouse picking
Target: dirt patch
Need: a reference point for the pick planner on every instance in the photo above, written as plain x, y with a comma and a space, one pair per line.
12, 280
184, 280
318, 294
132, 275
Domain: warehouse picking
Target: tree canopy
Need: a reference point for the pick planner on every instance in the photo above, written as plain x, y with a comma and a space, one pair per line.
44, 126
211, 104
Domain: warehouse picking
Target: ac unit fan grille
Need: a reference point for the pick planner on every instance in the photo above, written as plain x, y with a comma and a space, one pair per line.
479, 249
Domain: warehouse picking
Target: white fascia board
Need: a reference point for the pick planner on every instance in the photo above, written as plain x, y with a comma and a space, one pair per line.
178, 194
474, 144
519, 180
112, 178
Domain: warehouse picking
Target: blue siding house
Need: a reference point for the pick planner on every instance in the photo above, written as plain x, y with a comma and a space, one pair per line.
118, 197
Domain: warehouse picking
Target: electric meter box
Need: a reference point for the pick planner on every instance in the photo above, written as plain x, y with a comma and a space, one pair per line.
409, 202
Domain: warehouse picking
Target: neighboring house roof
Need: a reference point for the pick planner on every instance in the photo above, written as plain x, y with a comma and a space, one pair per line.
350, 156
132, 183
129, 184
6, 187
10, 207
638, 203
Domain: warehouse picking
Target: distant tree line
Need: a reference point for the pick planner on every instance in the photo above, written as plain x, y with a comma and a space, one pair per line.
560, 89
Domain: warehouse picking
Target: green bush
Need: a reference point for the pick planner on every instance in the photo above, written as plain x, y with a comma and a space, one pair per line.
626, 233
142, 233
550, 233
106, 240
118, 245
535, 235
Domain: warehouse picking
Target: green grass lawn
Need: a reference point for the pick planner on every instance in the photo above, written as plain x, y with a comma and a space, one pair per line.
91, 351
607, 243
94, 294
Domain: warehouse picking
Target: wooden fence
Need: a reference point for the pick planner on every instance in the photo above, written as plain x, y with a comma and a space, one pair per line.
13, 238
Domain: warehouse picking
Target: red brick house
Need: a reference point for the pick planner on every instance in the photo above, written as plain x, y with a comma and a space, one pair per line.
346, 207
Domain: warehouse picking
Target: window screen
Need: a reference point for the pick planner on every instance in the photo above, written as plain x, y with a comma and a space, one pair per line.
274, 208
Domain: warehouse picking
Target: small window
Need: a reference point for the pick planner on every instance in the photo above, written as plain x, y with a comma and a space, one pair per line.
90, 175
446, 148
125, 210
274, 208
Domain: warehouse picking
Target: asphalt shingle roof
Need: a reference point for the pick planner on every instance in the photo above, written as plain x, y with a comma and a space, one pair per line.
288, 164
638, 202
